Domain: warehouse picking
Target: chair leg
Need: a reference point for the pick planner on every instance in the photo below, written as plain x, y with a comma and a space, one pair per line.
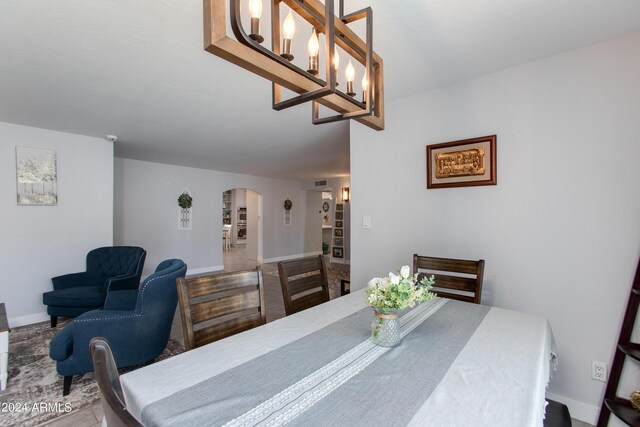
54, 321
66, 386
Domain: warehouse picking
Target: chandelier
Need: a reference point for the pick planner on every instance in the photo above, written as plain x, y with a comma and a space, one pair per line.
280, 67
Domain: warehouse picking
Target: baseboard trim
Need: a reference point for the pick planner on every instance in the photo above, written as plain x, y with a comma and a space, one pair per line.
340, 261
579, 410
14, 322
192, 271
288, 257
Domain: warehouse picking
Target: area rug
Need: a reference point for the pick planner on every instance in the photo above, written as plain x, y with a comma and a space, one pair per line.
335, 273
34, 388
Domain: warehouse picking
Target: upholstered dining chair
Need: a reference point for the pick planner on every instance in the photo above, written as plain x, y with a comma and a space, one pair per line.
137, 323
455, 278
304, 283
112, 268
108, 379
220, 305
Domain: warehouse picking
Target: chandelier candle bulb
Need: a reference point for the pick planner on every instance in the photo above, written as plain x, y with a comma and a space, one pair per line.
350, 75
288, 29
365, 87
314, 49
336, 63
255, 10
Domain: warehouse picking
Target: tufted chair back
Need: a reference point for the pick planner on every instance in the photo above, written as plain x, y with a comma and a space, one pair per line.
156, 303
112, 261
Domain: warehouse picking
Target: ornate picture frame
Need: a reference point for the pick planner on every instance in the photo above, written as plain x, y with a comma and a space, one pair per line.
463, 163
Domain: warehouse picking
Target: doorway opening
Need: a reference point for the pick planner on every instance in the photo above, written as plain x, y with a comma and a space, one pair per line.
242, 228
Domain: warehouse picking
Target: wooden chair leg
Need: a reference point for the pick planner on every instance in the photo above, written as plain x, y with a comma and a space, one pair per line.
66, 386
54, 321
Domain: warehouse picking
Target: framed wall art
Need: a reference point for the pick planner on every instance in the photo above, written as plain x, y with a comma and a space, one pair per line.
339, 206
464, 163
338, 241
337, 252
339, 215
339, 224
36, 177
337, 232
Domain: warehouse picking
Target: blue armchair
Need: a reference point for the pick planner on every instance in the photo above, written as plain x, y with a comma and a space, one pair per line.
109, 268
136, 323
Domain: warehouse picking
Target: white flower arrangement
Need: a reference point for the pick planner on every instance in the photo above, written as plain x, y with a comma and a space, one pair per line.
398, 291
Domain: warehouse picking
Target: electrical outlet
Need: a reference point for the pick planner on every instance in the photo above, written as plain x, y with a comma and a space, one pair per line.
599, 371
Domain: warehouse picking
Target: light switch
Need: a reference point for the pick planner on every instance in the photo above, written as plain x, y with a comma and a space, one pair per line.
366, 222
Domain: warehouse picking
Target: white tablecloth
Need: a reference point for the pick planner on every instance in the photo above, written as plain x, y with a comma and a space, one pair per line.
498, 379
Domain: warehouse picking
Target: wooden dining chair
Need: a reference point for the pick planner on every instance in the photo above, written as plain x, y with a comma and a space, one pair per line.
464, 285
220, 305
304, 283
106, 375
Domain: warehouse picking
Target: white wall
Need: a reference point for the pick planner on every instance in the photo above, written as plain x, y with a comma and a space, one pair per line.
145, 213
313, 223
39, 242
559, 233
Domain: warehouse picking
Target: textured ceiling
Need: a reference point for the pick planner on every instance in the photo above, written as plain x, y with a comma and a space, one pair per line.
137, 69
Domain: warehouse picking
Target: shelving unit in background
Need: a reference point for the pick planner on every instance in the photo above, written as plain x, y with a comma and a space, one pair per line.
226, 207
613, 404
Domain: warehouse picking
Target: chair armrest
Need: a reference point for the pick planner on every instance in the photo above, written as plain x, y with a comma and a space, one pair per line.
61, 345
121, 300
123, 283
117, 326
72, 280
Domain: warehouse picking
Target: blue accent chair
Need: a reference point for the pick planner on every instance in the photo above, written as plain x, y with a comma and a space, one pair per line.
137, 324
110, 268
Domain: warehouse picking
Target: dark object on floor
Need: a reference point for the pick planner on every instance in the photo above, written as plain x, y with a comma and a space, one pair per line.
113, 268
211, 298
137, 324
456, 286
300, 276
345, 287
108, 379
557, 415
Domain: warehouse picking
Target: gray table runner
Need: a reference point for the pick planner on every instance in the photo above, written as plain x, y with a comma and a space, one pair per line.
333, 376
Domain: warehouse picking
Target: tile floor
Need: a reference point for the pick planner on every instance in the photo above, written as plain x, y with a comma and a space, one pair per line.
234, 260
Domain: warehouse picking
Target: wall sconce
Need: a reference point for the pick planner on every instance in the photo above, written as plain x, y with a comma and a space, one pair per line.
345, 194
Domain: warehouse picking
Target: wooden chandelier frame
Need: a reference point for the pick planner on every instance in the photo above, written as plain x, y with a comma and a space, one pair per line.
248, 54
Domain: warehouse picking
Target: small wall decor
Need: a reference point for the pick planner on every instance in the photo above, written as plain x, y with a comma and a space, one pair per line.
185, 202
464, 163
338, 234
288, 204
36, 177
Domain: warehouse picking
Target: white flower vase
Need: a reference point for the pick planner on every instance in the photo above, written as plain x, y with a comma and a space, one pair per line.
385, 329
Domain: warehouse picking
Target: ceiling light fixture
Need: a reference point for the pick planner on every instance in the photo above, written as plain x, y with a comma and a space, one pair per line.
276, 65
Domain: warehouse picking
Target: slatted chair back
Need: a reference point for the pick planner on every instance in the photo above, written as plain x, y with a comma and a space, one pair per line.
465, 284
304, 283
106, 375
220, 305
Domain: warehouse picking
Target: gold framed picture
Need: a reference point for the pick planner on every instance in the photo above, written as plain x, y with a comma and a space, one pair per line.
464, 163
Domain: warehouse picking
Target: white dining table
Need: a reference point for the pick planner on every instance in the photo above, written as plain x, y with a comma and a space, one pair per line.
458, 364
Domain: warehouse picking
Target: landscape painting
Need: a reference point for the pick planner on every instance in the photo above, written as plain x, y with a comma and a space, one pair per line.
37, 177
